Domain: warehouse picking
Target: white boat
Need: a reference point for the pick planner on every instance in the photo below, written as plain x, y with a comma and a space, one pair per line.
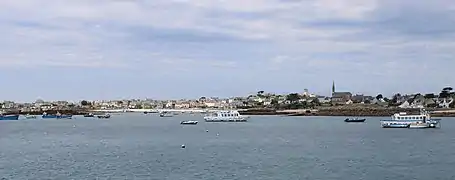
403, 120
418, 125
165, 114
28, 116
225, 116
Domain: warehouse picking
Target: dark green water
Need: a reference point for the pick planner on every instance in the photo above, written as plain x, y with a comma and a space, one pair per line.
137, 146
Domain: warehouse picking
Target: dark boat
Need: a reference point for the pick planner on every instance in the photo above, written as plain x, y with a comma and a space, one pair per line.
9, 117
56, 116
189, 122
105, 116
355, 120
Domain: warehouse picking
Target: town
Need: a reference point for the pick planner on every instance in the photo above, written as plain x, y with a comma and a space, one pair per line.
260, 100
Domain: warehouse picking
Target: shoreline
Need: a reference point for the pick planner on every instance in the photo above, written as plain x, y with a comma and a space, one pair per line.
326, 111
344, 112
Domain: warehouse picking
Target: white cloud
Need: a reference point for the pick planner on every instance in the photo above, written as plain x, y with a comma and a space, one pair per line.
252, 38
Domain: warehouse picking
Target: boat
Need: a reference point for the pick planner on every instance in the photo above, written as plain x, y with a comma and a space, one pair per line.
89, 115
56, 116
165, 114
105, 116
404, 120
225, 116
355, 120
28, 116
189, 122
9, 117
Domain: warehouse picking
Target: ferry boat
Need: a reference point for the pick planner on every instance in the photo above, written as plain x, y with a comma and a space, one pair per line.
403, 120
225, 116
56, 116
9, 117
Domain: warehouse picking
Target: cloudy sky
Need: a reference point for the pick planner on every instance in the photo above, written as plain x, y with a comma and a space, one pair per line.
105, 49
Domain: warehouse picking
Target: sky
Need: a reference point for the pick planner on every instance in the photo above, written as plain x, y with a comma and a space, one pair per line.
172, 49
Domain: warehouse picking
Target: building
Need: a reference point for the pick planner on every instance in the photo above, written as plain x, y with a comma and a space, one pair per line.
340, 97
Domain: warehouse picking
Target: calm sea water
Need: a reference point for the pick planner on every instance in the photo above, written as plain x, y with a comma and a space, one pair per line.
137, 146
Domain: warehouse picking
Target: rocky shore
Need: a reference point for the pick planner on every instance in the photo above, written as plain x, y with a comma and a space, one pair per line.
340, 111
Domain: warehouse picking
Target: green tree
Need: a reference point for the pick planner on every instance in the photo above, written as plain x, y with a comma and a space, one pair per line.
379, 96
85, 103
293, 97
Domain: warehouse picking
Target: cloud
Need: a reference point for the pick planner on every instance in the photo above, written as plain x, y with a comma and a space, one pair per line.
286, 44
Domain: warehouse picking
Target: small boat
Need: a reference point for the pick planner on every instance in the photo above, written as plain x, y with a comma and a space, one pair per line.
9, 117
355, 120
28, 116
189, 122
89, 115
165, 114
56, 116
105, 116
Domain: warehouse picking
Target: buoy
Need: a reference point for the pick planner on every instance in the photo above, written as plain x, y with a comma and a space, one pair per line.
217, 134
183, 145
206, 130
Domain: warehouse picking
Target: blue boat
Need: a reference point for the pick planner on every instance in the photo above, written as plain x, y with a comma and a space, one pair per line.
403, 120
56, 116
9, 117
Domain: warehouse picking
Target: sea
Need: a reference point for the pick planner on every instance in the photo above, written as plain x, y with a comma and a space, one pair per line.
139, 146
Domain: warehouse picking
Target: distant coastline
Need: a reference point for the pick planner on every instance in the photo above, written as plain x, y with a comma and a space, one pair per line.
324, 111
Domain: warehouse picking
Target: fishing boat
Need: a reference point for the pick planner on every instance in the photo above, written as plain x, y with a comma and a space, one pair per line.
355, 120
404, 120
104, 116
9, 117
56, 116
225, 116
189, 122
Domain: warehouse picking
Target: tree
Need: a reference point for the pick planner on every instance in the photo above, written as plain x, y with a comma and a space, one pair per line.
429, 96
293, 97
447, 89
85, 103
379, 96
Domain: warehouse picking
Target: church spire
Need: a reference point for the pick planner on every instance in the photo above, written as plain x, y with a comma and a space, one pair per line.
333, 87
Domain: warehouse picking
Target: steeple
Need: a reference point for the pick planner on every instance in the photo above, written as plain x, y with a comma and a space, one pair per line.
333, 87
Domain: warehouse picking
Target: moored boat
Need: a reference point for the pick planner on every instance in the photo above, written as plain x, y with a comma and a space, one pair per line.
189, 122
56, 116
403, 120
166, 114
225, 116
104, 116
28, 116
9, 117
355, 120
89, 115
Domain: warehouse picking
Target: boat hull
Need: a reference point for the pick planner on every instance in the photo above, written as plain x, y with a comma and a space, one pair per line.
354, 120
188, 122
9, 117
